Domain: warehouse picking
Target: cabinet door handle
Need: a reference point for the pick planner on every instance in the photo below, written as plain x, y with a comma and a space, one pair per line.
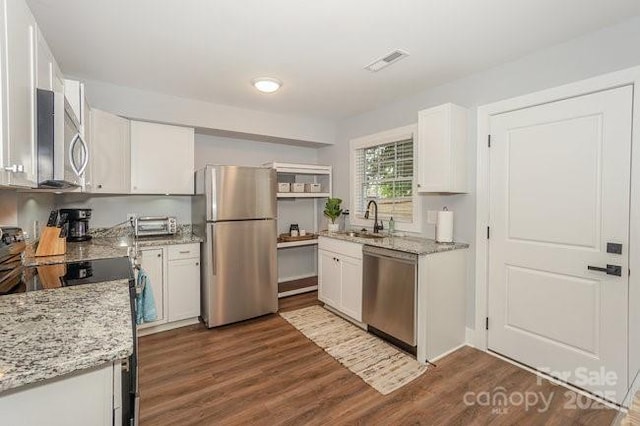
197, 263
159, 255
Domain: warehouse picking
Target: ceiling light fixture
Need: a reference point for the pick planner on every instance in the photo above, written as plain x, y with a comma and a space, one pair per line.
266, 84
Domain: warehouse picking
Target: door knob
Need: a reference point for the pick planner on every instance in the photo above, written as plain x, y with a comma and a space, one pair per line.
610, 269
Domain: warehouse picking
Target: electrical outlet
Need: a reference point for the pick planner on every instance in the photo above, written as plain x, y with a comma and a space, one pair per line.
432, 217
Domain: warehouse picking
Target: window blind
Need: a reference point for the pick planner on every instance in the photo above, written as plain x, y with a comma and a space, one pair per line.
384, 173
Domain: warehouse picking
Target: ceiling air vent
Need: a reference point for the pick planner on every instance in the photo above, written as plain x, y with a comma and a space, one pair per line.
387, 60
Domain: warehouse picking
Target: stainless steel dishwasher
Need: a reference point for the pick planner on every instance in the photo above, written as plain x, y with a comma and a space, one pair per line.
390, 280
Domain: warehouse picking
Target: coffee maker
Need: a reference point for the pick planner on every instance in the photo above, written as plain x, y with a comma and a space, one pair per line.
78, 220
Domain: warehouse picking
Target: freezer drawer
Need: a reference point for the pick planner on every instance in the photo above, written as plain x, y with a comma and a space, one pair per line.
389, 292
241, 274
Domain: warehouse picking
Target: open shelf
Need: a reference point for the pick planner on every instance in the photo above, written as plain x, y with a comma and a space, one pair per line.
303, 195
298, 243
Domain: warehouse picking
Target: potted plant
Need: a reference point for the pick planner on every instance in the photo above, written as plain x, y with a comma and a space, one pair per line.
333, 211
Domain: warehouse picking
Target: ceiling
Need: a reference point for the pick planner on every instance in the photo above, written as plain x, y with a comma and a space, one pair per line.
211, 50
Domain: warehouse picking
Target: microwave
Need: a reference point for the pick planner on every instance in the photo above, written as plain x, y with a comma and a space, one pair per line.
63, 155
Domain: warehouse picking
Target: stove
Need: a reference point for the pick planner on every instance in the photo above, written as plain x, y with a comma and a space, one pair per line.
44, 277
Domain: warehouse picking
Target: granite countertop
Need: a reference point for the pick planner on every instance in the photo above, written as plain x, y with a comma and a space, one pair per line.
49, 333
105, 248
415, 245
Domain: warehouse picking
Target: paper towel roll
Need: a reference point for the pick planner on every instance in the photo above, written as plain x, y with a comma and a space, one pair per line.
444, 226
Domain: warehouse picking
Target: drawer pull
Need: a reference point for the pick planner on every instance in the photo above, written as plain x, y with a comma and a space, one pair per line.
185, 252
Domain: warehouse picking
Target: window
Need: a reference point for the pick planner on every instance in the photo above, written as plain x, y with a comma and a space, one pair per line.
383, 170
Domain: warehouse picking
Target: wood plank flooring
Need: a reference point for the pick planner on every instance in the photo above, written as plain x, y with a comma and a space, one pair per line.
264, 372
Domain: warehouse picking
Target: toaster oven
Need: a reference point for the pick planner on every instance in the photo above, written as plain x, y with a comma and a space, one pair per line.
151, 226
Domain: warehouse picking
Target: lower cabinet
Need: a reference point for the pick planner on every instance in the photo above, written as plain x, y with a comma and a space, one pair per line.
340, 276
184, 284
174, 273
152, 262
87, 397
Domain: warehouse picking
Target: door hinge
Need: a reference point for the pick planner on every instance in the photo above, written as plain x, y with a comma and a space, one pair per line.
488, 232
489, 141
486, 323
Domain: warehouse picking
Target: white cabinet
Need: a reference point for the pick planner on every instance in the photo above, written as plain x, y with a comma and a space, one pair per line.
442, 149
329, 280
184, 289
174, 272
44, 63
83, 398
351, 288
340, 276
162, 159
110, 153
152, 262
19, 80
73, 92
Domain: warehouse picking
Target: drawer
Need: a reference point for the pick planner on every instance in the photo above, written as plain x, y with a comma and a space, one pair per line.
345, 248
184, 251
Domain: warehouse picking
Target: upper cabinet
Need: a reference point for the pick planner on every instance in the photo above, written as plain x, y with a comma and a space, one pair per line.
45, 63
162, 159
110, 154
442, 149
19, 37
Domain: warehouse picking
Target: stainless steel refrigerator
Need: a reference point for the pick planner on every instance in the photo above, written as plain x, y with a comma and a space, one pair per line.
235, 210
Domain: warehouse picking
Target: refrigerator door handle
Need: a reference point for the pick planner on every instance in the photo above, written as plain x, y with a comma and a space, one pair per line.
214, 251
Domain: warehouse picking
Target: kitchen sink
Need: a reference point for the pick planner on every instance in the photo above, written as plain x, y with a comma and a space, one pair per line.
363, 234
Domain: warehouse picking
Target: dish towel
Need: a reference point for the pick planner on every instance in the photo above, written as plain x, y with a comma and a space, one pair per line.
145, 303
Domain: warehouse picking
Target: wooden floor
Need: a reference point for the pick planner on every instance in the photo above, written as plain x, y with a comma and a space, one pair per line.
265, 372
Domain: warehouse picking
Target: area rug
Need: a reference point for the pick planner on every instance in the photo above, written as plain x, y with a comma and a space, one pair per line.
380, 365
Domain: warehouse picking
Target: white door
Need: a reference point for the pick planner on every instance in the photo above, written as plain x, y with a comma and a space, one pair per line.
110, 153
162, 157
20, 31
183, 289
351, 288
559, 192
329, 279
152, 262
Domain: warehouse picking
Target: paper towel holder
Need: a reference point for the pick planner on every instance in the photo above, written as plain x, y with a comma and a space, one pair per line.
445, 236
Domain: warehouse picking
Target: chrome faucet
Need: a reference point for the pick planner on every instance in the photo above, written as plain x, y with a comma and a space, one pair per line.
376, 227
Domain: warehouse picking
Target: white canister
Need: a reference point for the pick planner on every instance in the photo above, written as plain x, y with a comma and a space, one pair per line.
444, 226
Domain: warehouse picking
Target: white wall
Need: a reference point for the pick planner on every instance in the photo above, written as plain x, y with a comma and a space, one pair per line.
29, 211
609, 49
292, 263
110, 210
221, 150
152, 106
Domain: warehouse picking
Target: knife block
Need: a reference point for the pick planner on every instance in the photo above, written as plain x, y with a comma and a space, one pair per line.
50, 242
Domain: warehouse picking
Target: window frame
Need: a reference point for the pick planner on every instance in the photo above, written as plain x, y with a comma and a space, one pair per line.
381, 138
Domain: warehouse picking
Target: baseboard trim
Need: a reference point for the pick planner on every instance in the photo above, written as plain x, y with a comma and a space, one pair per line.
297, 291
449, 352
565, 385
470, 336
167, 326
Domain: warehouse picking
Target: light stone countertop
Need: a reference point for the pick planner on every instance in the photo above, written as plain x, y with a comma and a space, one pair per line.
50, 333
415, 245
104, 248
